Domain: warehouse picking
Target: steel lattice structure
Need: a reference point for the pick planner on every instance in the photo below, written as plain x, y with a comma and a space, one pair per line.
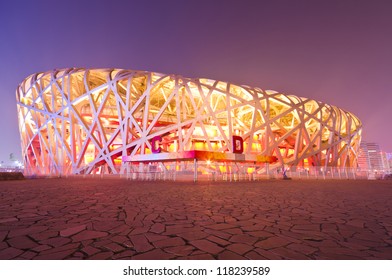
76, 121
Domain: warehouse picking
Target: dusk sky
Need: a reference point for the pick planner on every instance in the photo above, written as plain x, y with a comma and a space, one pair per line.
338, 52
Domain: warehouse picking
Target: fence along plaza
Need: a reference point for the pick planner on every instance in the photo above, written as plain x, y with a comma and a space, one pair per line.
113, 121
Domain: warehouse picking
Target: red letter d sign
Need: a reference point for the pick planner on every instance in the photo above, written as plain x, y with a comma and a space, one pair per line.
238, 144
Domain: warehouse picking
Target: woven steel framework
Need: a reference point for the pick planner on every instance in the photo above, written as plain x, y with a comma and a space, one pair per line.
76, 121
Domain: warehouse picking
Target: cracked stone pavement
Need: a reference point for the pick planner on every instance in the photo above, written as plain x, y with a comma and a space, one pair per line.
94, 218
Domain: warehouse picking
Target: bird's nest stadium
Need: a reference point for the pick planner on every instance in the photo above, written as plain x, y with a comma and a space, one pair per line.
113, 121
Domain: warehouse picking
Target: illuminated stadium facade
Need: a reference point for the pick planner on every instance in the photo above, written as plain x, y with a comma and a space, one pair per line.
110, 121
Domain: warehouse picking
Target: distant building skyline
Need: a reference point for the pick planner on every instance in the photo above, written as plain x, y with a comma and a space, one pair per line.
372, 158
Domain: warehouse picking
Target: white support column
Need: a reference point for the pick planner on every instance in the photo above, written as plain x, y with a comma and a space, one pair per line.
267, 169
195, 170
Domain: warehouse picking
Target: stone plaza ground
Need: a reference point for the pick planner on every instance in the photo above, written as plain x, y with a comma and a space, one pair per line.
94, 218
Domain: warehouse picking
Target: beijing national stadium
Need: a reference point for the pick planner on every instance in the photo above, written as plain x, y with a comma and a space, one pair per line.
113, 121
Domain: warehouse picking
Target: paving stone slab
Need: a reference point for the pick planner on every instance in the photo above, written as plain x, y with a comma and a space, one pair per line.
8, 220
61, 248
100, 243
22, 242
286, 253
26, 231
56, 256
10, 253
252, 255
114, 247
44, 235
156, 254
239, 248
207, 246
3, 234
140, 243
170, 242
41, 248
88, 234
139, 230
193, 235
233, 231
90, 250
302, 248
126, 255
381, 253
101, 256
229, 255
272, 242
198, 257
218, 233
344, 252
71, 231
56, 241
268, 254
218, 240
28, 255
155, 237
157, 228
260, 234
184, 250
221, 226
3, 245
307, 227
243, 238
